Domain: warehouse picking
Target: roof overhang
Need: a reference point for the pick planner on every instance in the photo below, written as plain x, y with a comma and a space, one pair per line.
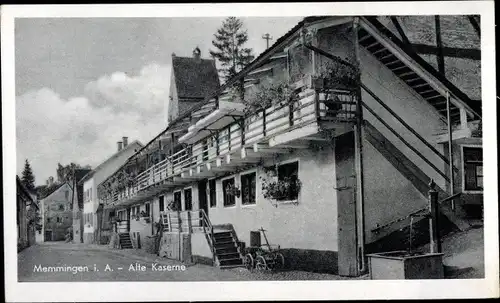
219, 118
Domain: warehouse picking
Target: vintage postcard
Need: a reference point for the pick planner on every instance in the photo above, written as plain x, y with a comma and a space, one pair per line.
250, 151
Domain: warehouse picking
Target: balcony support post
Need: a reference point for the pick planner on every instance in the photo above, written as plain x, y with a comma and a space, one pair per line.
264, 122
229, 138
217, 143
450, 148
358, 134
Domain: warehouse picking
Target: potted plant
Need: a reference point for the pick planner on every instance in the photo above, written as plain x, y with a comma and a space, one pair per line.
145, 216
281, 189
335, 75
274, 93
173, 206
233, 190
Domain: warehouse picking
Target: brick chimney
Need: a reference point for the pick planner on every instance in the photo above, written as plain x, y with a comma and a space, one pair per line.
120, 145
125, 141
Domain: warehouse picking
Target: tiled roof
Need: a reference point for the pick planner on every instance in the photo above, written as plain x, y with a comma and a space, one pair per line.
87, 176
195, 78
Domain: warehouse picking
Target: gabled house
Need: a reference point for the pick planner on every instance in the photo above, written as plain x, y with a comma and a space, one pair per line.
192, 79
92, 216
27, 213
78, 204
57, 213
343, 124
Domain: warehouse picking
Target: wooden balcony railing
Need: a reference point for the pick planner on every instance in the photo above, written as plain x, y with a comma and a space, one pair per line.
312, 106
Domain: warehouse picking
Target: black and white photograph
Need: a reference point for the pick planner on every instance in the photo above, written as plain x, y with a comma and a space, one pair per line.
291, 149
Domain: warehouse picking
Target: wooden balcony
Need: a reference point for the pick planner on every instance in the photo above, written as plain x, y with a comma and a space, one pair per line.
227, 139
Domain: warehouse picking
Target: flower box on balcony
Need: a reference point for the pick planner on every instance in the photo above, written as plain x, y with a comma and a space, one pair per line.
398, 265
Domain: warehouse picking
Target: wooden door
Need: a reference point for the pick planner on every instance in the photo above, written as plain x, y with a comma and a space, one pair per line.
202, 195
128, 219
48, 235
346, 205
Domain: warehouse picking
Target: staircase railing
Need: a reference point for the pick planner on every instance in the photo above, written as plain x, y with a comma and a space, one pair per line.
209, 230
396, 133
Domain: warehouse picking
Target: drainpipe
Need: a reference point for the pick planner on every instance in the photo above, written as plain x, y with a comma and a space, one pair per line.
360, 229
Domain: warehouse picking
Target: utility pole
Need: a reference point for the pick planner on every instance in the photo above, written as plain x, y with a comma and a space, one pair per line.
267, 37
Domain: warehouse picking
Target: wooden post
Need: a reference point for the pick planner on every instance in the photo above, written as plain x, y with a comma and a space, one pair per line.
179, 221
450, 148
169, 221
217, 143
264, 122
190, 224
435, 241
359, 155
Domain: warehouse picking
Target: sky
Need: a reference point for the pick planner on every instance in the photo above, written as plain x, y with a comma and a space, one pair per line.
84, 83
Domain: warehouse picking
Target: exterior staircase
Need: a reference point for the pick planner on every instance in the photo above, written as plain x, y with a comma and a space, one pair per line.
125, 241
226, 249
404, 72
414, 174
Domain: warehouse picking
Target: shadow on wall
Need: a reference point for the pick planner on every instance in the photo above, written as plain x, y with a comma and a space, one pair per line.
318, 261
400, 239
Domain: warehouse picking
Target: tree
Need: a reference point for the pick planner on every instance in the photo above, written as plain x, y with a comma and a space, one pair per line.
65, 173
28, 179
229, 42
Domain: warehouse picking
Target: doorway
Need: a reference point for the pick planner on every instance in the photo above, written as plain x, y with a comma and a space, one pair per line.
202, 195
48, 235
128, 219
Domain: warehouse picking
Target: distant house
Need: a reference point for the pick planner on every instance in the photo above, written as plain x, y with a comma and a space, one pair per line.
192, 79
57, 213
78, 205
27, 209
91, 211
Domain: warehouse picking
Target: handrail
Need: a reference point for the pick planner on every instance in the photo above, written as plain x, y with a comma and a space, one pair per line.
206, 221
452, 197
406, 142
395, 115
415, 213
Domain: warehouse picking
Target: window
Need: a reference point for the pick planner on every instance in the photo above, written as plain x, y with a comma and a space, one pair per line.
188, 199
91, 219
61, 207
177, 200
148, 206
473, 168
58, 219
229, 199
48, 220
161, 202
248, 188
224, 136
212, 193
289, 172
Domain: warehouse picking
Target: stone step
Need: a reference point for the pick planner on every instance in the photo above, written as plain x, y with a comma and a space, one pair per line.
222, 234
232, 261
230, 255
227, 250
